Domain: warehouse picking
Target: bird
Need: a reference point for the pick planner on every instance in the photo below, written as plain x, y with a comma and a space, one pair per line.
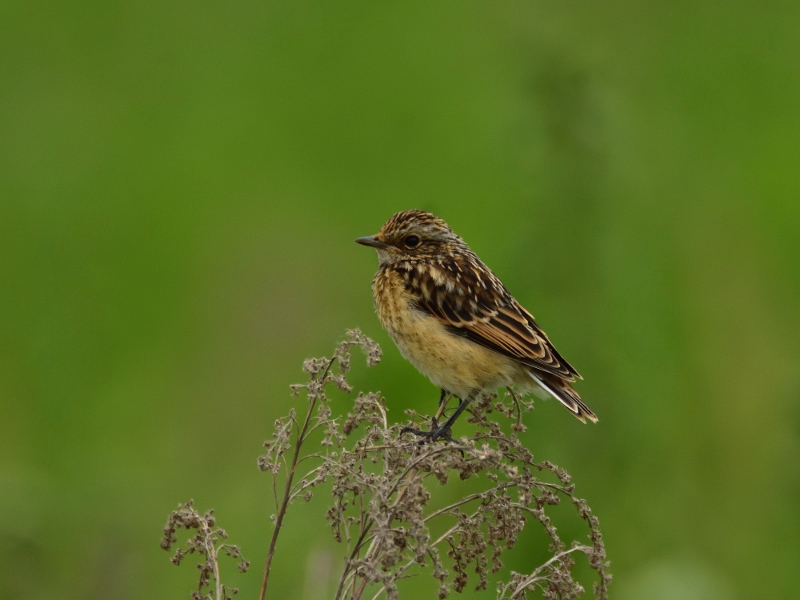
453, 319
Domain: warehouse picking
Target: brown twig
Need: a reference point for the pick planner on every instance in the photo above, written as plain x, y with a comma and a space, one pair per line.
287, 490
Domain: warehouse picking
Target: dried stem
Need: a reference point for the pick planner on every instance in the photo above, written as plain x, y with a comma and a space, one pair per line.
287, 490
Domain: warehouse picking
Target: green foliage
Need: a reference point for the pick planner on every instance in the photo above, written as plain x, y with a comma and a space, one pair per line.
180, 185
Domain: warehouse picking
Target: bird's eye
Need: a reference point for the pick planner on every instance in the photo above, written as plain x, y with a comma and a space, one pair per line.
411, 241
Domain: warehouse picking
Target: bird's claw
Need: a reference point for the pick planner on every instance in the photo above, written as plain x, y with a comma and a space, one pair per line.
436, 433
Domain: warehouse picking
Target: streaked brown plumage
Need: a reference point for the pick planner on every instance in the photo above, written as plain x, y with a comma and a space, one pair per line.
456, 322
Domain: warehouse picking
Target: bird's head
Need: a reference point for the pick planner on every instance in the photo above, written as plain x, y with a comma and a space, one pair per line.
413, 235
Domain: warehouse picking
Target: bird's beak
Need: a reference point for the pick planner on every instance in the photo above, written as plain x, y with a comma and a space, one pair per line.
371, 240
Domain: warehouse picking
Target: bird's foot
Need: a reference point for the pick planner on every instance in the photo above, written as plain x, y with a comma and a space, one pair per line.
436, 433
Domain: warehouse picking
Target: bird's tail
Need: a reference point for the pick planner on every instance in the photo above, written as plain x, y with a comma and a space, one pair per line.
562, 391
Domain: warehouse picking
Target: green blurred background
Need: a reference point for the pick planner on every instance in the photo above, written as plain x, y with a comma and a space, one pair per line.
180, 187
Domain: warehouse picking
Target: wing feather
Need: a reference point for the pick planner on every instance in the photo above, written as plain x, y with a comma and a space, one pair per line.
485, 314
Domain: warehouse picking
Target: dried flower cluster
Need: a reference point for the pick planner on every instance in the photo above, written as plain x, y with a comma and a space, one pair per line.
208, 542
386, 510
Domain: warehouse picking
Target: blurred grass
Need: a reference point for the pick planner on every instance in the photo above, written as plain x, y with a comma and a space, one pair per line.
180, 185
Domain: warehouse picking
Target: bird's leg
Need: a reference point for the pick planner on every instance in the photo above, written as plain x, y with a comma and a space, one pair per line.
443, 431
443, 398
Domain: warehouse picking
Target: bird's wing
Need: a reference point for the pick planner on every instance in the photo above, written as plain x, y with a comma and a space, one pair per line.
476, 305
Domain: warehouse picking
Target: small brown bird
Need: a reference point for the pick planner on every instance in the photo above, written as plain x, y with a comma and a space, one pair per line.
456, 322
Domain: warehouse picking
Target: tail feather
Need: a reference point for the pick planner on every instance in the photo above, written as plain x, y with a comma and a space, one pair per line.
562, 391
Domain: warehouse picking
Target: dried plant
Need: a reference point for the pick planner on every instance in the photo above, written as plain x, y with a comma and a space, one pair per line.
385, 508
318, 416
208, 542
